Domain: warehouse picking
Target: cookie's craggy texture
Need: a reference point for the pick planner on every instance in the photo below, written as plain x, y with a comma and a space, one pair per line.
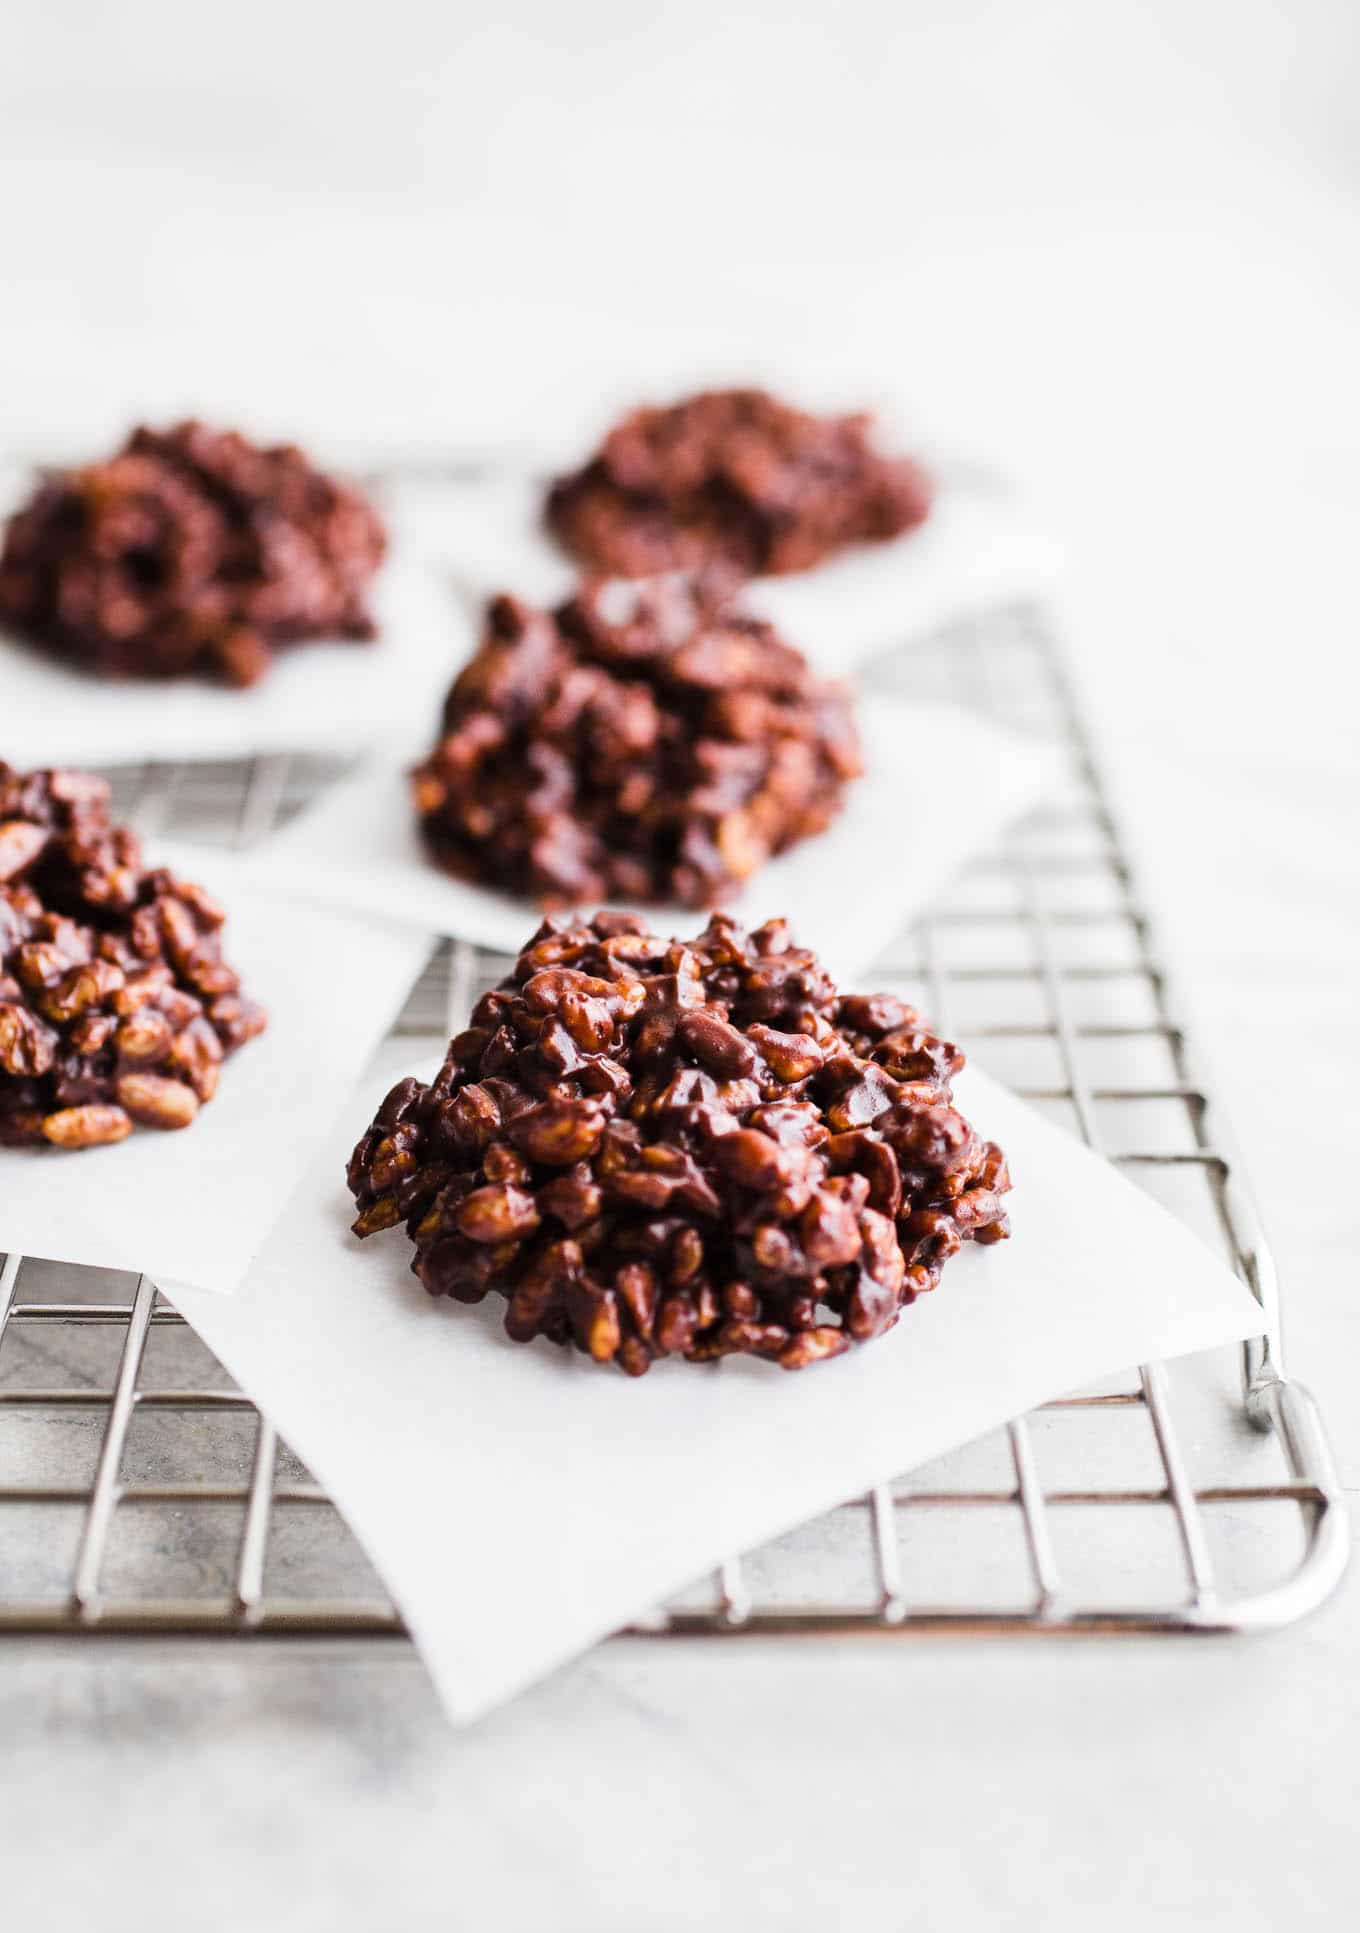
116, 1005
190, 552
646, 742
733, 477
652, 1147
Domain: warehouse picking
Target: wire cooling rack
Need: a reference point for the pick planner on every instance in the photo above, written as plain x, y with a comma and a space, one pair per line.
140, 1490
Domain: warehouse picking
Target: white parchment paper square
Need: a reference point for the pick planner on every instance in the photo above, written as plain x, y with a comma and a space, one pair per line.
521, 1502
199, 1203
939, 785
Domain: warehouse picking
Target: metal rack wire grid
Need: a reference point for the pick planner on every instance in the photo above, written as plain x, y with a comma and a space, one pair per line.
140, 1490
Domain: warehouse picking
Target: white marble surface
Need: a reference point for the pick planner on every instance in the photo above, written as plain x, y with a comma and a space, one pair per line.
1114, 248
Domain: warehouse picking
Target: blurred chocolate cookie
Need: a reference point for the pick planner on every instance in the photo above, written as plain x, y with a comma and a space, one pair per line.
734, 477
191, 552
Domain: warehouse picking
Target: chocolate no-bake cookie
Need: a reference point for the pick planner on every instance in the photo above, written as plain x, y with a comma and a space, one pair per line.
733, 477
116, 1005
647, 742
190, 552
656, 1147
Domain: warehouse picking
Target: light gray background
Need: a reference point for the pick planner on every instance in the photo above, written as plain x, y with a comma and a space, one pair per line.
1111, 247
